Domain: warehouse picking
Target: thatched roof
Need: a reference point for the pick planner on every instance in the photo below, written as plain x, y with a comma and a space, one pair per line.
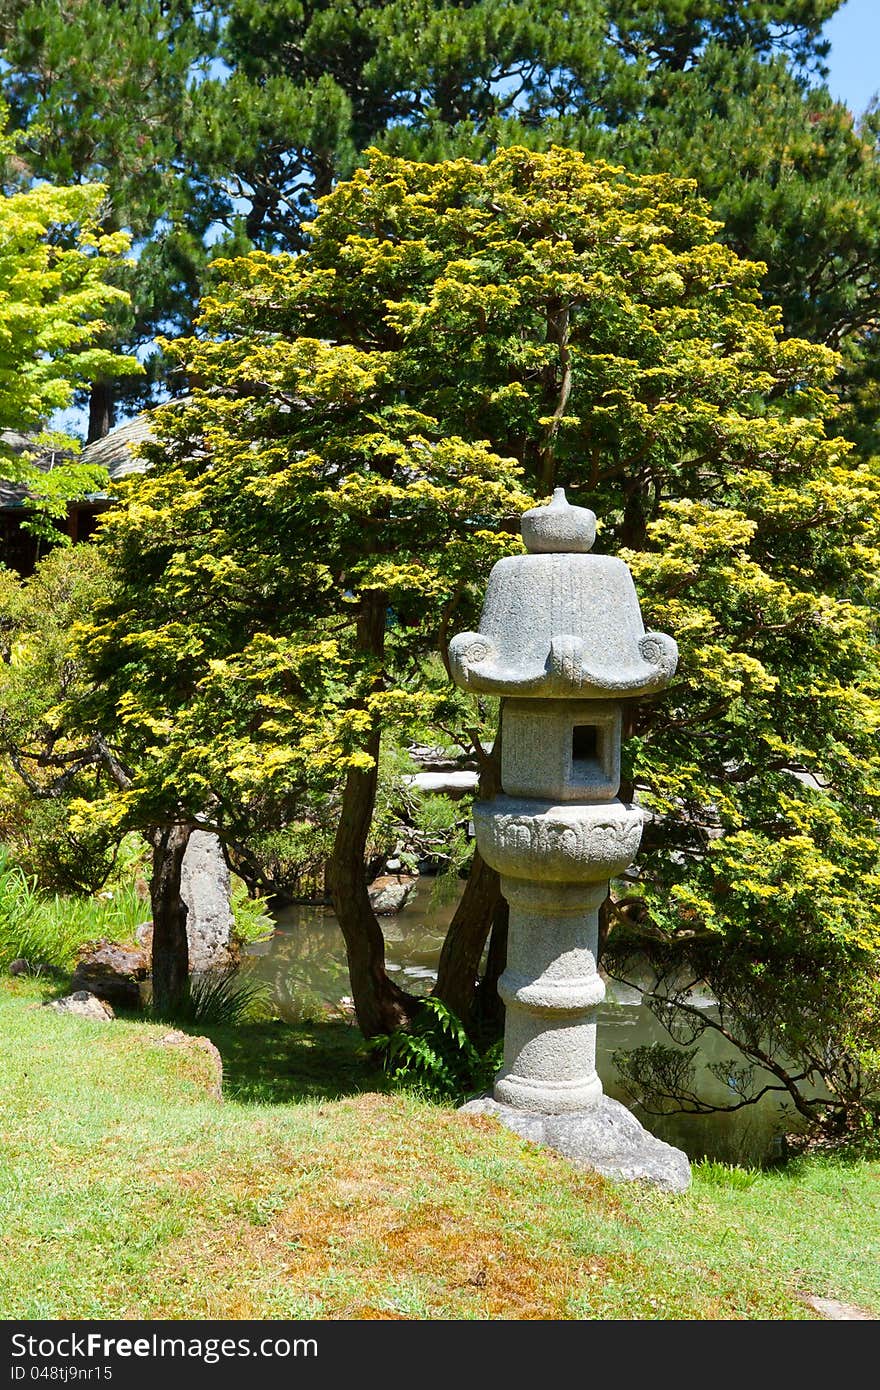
113, 452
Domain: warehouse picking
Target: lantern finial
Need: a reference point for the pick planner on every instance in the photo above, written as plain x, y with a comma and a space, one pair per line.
558, 527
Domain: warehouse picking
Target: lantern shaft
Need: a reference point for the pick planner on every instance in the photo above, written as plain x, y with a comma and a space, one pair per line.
551, 990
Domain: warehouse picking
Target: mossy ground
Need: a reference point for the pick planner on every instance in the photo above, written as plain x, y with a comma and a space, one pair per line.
126, 1192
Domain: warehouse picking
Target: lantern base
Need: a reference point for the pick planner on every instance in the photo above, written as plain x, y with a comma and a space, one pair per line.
606, 1139
543, 1098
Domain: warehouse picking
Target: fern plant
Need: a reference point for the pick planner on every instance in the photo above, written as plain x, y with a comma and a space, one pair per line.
435, 1056
252, 920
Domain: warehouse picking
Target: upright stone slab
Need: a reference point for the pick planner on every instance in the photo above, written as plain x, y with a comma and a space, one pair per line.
206, 889
562, 641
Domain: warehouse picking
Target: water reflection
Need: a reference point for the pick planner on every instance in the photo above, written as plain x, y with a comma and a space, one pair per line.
304, 964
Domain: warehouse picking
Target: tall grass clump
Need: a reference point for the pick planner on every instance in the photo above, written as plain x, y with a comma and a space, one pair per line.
48, 929
219, 999
730, 1175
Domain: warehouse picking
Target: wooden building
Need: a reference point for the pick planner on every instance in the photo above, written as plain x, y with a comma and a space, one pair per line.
19, 550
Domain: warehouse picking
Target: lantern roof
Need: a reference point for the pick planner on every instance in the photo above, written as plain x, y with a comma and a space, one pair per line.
560, 622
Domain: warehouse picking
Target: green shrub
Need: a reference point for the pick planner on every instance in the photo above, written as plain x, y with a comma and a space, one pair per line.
40, 775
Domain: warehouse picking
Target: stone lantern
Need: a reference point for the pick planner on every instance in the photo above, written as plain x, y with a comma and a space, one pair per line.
562, 641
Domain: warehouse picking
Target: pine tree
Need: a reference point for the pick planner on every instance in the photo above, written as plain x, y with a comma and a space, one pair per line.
715, 91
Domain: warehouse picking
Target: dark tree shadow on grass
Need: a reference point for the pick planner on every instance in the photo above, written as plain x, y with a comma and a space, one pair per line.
265, 1062
277, 1063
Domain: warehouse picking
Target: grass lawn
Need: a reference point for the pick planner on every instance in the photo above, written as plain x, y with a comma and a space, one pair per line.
125, 1191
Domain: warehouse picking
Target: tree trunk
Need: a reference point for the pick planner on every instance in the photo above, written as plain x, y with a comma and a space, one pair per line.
102, 413
323, 175
633, 533
462, 950
557, 385
489, 1004
170, 945
381, 1007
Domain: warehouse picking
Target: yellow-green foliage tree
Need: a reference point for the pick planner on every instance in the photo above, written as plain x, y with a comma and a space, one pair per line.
323, 511
46, 765
54, 294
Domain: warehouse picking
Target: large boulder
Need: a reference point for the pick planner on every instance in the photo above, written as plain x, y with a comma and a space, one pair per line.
200, 1048
112, 972
455, 784
206, 889
82, 1004
390, 892
606, 1139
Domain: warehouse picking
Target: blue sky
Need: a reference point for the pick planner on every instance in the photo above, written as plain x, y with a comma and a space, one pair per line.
854, 60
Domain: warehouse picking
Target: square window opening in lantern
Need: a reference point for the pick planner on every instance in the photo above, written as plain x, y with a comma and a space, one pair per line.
587, 754
585, 743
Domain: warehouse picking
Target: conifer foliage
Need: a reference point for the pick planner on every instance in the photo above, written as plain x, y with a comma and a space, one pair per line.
322, 514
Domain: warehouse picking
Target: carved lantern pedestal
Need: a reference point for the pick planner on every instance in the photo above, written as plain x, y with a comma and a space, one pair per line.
561, 639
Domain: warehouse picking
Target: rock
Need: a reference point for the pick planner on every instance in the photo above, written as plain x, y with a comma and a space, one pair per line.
206, 889
419, 972
834, 1311
23, 966
143, 935
82, 1004
112, 972
452, 784
389, 892
607, 1139
436, 758
202, 1045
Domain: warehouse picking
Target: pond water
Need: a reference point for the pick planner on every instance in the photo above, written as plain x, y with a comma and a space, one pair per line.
304, 966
